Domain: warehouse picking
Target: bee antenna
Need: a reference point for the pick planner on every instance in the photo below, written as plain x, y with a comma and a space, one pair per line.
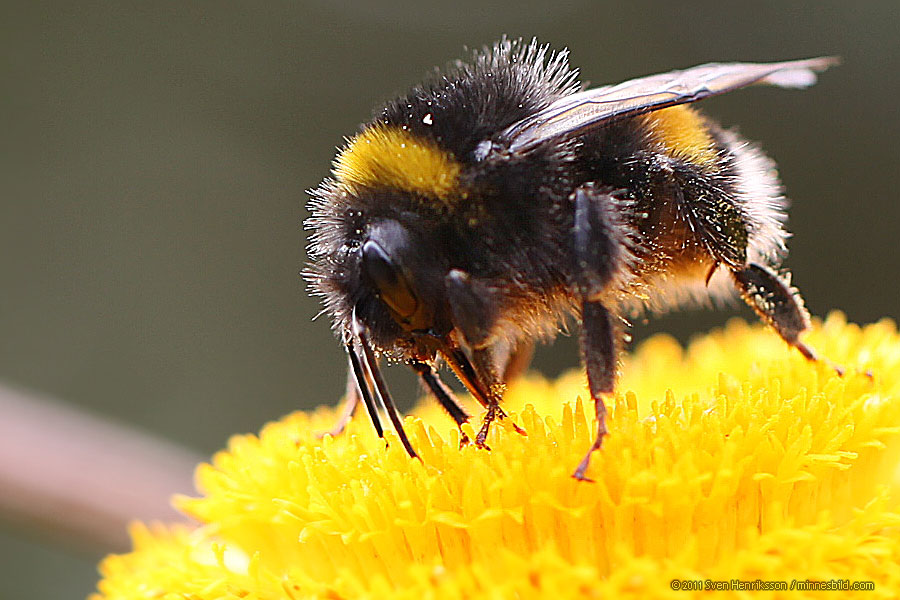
363, 386
371, 366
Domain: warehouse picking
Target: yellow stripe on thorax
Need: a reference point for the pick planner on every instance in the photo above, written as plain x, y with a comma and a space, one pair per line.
385, 156
683, 133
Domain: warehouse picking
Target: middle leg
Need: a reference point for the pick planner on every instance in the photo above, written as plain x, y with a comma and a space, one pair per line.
598, 351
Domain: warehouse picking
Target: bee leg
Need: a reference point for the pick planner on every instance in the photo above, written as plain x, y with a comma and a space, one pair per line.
439, 390
479, 377
493, 411
598, 351
778, 305
484, 360
599, 250
474, 381
598, 239
474, 307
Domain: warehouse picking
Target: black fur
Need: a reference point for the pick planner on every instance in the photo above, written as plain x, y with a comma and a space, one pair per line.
469, 102
569, 226
513, 204
512, 231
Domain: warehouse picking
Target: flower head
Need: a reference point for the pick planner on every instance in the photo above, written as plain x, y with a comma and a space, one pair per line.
732, 460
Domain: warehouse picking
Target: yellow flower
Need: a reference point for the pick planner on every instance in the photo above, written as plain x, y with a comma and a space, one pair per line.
732, 463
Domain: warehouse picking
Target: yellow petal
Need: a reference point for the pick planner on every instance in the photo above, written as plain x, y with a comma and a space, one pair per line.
733, 462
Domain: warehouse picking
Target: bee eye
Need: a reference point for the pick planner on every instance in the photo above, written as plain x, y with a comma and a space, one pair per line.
393, 288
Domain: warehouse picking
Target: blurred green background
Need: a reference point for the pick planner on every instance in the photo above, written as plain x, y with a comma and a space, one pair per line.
155, 157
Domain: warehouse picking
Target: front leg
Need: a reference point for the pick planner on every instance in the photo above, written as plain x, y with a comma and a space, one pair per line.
444, 396
479, 375
441, 392
475, 307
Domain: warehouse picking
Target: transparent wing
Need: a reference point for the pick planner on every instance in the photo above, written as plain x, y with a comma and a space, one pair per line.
580, 111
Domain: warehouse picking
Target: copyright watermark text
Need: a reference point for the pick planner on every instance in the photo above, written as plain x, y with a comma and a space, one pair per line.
758, 585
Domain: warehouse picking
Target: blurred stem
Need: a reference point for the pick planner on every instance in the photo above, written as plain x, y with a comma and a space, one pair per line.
81, 478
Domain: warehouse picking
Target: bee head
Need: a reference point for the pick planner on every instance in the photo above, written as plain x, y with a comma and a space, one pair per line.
402, 278
374, 259
376, 224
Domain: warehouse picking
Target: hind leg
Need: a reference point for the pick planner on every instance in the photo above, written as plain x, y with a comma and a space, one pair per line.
778, 305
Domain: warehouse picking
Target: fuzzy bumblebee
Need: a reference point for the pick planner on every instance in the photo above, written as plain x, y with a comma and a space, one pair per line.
472, 216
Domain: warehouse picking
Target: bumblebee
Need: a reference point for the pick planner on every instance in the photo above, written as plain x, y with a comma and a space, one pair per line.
475, 214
